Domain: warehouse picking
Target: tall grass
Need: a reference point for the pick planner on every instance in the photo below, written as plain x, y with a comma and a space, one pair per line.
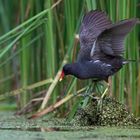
36, 38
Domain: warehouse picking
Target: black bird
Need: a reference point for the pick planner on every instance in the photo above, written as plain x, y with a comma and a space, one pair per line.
101, 47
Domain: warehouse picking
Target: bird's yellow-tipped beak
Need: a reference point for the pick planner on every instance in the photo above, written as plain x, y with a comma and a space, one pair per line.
62, 76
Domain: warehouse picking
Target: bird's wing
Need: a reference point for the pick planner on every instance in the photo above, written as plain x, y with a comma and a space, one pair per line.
93, 24
111, 41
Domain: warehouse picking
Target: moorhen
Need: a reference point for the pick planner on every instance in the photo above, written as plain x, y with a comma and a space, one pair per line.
101, 47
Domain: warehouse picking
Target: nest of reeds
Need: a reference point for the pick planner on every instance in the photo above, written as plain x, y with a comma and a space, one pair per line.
111, 113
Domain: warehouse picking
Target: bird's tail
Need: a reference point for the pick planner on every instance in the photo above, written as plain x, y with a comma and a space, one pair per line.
130, 60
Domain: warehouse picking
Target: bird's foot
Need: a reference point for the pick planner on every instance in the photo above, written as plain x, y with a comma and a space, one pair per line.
85, 95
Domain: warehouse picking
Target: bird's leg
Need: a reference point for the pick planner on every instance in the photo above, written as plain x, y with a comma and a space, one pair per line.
87, 95
102, 97
87, 90
105, 91
93, 86
99, 87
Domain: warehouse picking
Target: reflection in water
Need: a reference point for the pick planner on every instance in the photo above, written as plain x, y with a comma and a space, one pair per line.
42, 129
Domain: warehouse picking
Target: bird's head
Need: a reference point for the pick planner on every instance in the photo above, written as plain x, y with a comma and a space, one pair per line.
65, 71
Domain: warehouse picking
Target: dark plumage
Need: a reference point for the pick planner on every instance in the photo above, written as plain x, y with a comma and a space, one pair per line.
102, 47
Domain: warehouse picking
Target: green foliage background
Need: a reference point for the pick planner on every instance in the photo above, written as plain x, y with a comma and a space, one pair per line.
38, 36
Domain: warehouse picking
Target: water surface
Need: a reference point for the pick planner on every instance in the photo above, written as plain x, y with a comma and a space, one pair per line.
19, 128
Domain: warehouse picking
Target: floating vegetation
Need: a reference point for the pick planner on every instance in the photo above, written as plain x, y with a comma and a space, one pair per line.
111, 113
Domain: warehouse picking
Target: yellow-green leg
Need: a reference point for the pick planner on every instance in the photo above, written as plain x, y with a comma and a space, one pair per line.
102, 97
104, 93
